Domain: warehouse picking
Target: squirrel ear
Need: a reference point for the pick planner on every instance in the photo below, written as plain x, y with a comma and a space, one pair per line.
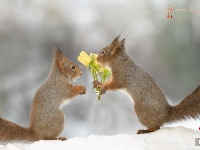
57, 52
58, 57
114, 49
117, 47
115, 40
122, 43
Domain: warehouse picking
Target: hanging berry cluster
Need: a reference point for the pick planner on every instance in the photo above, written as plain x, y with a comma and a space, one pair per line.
170, 11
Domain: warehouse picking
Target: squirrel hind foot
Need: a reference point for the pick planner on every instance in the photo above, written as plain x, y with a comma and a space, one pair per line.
60, 138
148, 130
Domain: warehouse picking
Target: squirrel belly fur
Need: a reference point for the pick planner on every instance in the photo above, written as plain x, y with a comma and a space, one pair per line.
150, 103
47, 120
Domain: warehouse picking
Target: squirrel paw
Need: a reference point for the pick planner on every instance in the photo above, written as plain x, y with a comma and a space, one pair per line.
61, 138
103, 90
96, 84
148, 130
82, 90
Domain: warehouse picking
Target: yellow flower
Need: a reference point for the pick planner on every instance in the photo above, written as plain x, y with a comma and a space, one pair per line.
90, 61
104, 70
94, 57
101, 69
84, 58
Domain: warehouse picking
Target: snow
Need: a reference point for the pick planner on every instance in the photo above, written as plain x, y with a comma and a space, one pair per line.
172, 138
188, 123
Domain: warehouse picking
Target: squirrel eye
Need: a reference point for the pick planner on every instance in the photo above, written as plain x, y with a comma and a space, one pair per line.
102, 52
73, 67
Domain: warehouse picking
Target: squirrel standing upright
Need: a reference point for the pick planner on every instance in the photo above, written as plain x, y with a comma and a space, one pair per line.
150, 103
47, 120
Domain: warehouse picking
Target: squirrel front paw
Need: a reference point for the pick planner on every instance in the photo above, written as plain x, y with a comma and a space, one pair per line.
96, 84
81, 90
103, 90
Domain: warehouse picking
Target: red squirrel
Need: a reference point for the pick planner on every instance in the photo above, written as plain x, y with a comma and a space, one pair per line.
47, 120
150, 103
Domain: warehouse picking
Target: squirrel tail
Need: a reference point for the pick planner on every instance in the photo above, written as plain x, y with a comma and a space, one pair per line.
189, 107
13, 132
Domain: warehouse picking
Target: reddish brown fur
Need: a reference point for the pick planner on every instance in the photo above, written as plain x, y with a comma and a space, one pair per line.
10, 130
47, 120
150, 103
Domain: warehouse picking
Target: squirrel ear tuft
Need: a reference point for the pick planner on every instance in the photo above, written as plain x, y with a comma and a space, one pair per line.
115, 40
122, 43
57, 52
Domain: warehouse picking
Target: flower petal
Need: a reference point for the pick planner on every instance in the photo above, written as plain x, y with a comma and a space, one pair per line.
84, 58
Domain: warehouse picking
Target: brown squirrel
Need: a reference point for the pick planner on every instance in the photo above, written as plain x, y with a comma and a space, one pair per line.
47, 120
150, 103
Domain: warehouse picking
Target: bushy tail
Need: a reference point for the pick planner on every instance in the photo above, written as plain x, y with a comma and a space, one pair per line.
189, 107
13, 132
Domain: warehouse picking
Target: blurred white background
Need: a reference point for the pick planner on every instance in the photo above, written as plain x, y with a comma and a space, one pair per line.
168, 49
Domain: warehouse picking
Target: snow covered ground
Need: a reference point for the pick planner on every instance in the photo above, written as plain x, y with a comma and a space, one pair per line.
173, 138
